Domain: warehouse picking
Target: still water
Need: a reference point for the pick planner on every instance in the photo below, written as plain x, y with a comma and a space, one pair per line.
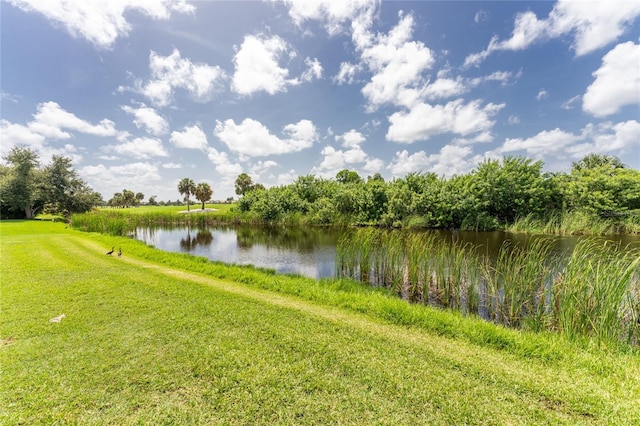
308, 251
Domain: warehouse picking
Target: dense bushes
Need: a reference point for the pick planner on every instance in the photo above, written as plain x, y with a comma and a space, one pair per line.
600, 190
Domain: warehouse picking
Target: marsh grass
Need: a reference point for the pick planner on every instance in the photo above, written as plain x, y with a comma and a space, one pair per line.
589, 293
577, 223
125, 221
596, 294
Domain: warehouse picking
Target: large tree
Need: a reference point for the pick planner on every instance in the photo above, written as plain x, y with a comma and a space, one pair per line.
21, 182
187, 188
203, 193
244, 184
26, 188
63, 189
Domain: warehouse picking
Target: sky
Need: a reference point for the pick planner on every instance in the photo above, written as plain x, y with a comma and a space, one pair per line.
140, 94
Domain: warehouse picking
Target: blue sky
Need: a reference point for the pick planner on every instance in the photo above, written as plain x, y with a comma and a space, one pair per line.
141, 94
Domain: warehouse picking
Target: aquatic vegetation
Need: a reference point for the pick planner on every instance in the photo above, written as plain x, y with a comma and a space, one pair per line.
590, 292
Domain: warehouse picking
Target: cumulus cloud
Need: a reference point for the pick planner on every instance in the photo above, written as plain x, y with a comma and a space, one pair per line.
50, 120
351, 139
192, 137
334, 160
253, 138
101, 23
424, 120
603, 138
257, 67
593, 24
50, 123
140, 175
141, 148
397, 64
172, 72
347, 73
314, 70
223, 164
148, 119
334, 14
617, 81
450, 160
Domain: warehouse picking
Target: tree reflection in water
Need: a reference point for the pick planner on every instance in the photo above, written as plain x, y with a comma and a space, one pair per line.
203, 238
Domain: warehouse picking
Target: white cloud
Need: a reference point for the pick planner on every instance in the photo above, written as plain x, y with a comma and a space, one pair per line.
617, 81
569, 104
594, 24
254, 139
101, 23
172, 72
148, 119
445, 88
451, 160
334, 14
17, 134
171, 166
347, 73
139, 177
397, 64
51, 122
545, 142
424, 120
192, 137
542, 94
373, 165
257, 67
602, 138
351, 139
335, 160
314, 70
141, 148
51, 119
262, 166
483, 137
223, 165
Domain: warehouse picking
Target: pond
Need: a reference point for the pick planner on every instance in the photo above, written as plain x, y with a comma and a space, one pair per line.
578, 285
309, 251
304, 251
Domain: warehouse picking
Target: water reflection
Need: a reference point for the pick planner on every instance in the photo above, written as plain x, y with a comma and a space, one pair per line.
311, 251
306, 251
203, 237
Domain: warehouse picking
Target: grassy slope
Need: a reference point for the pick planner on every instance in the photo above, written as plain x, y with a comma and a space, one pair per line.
142, 342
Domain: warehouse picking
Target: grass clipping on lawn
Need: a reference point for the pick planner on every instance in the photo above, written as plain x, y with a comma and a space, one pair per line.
154, 337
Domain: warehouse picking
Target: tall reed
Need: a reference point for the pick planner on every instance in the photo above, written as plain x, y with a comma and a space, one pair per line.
597, 293
592, 292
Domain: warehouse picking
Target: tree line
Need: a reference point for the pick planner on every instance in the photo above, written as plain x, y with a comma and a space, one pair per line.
28, 188
493, 195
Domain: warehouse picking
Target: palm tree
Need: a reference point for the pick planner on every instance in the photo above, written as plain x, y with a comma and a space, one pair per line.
203, 193
186, 187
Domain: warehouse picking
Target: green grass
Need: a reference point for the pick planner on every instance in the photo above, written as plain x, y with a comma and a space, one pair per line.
161, 338
222, 208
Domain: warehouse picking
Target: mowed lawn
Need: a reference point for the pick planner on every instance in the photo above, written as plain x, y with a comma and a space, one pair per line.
142, 343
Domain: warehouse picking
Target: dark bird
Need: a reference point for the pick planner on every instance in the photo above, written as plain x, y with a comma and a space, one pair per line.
119, 252
110, 252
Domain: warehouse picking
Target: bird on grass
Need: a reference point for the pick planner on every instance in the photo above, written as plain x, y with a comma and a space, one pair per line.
111, 251
119, 252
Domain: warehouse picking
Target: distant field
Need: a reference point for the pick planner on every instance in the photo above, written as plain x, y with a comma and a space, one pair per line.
163, 338
153, 209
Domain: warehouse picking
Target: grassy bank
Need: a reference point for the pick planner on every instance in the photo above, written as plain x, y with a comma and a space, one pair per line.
153, 337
